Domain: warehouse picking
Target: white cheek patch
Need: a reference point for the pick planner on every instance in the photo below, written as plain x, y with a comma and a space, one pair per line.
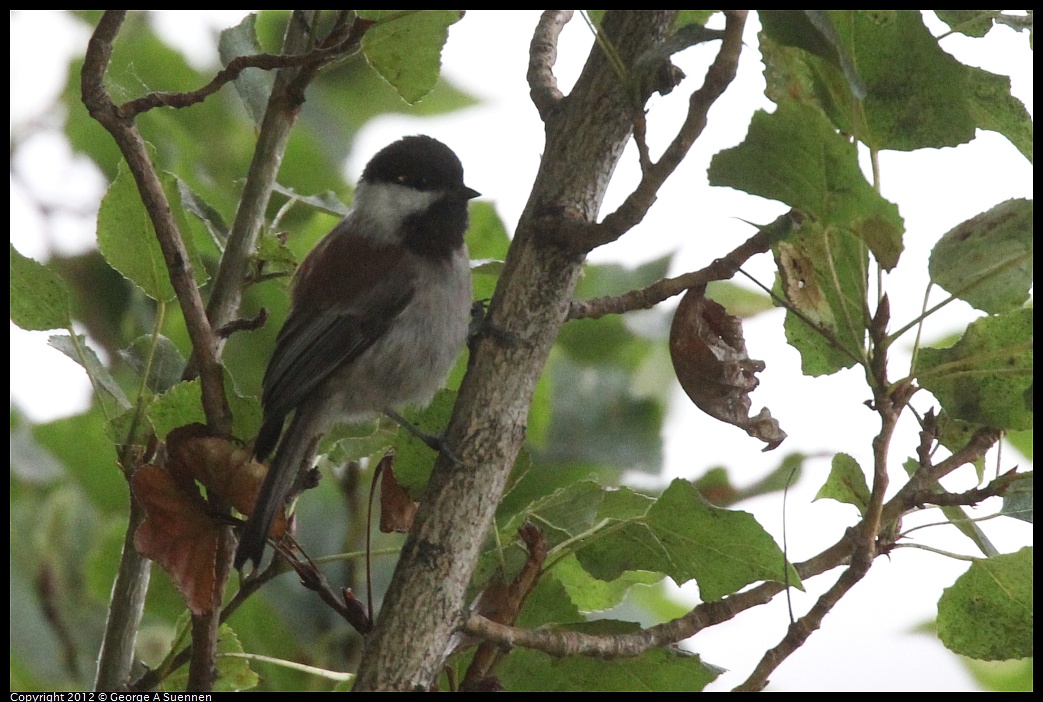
380, 208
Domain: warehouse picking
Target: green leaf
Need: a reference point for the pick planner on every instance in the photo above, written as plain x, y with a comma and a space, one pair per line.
245, 408
814, 32
956, 515
986, 378
1017, 502
142, 62
846, 483
414, 459
405, 47
683, 536
31, 462
738, 301
796, 156
79, 443
128, 241
987, 260
1022, 441
959, 518
823, 275
564, 515
487, 243
357, 84
608, 341
39, 297
167, 364
548, 603
624, 504
973, 23
917, 92
591, 594
326, 202
657, 670
561, 515
995, 109
253, 85
178, 406
233, 671
987, 613
1003, 676
183, 404
716, 486
207, 215
1018, 23
614, 279
100, 376
954, 434
687, 17
881, 77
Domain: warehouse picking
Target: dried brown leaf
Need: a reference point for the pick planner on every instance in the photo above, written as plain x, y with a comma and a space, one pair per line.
181, 531
711, 363
397, 509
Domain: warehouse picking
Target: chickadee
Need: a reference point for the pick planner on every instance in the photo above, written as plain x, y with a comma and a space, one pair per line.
379, 314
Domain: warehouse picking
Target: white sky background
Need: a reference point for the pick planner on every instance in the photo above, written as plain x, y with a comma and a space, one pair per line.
866, 643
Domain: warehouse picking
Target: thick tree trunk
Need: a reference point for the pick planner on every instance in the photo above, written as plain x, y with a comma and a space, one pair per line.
586, 133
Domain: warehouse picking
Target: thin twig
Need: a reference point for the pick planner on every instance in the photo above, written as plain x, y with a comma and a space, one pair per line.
235, 67
905, 499
996, 488
721, 269
863, 553
865, 536
800, 630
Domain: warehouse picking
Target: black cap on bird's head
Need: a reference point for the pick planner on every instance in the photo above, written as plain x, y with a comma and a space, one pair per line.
419, 162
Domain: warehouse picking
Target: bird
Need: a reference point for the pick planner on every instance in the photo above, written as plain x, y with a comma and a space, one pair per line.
379, 313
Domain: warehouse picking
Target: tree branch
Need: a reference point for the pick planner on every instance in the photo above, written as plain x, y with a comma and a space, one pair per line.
124, 614
425, 602
880, 521
866, 547
119, 121
279, 118
996, 488
721, 269
800, 630
126, 606
543, 52
235, 67
559, 642
101, 107
928, 475
636, 206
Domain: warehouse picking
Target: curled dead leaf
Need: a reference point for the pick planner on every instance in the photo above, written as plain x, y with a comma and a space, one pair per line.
181, 530
710, 361
221, 465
